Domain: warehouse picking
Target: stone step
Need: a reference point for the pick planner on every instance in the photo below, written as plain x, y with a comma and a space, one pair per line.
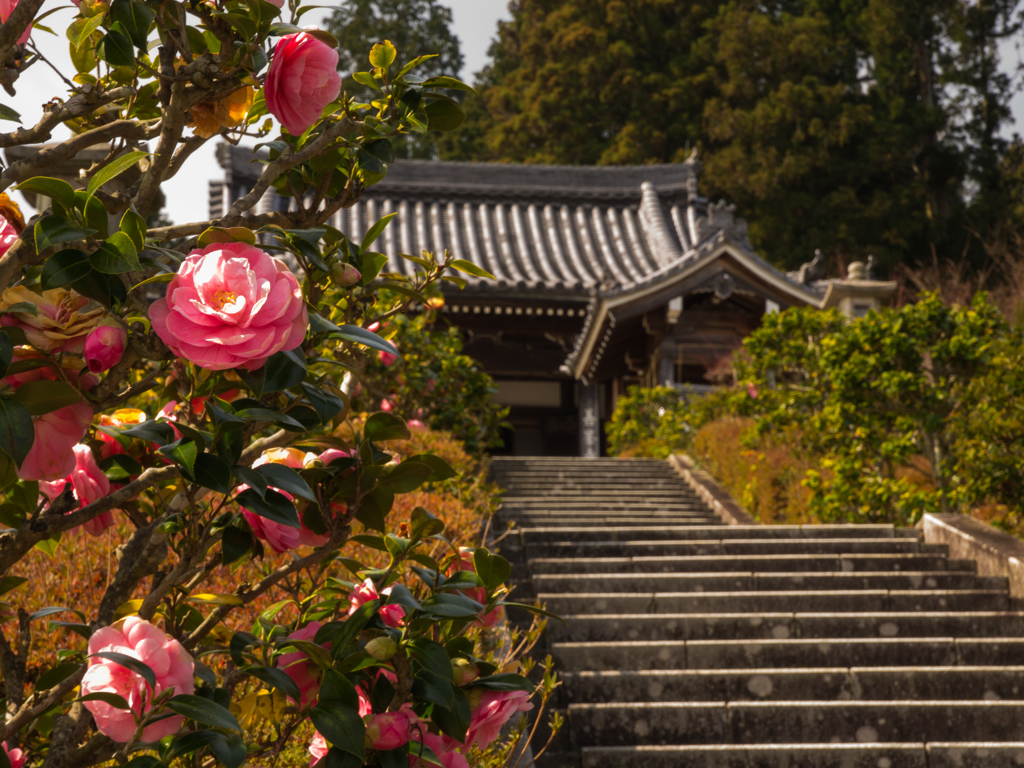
709, 547
791, 653
811, 684
759, 563
751, 722
768, 582
811, 601
764, 626
933, 755
696, 532
585, 507
528, 520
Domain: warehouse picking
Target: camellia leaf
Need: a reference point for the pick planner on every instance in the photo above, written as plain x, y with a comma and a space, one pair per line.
53, 230
122, 163
367, 338
107, 697
383, 54
133, 225
64, 268
40, 397
117, 254
471, 269
274, 506
136, 18
286, 479
55, 189
276, 678
6, 113
212, 472
385, 426
116, 49
183, 453
375, 231
7, 583
16, 431
203, 711
444, 115
143, 670
442, 81
341, 726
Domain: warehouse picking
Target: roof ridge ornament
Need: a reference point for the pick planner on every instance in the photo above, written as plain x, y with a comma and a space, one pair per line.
811, 270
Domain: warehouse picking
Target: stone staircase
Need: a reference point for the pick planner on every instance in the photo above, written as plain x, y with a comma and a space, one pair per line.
694, 643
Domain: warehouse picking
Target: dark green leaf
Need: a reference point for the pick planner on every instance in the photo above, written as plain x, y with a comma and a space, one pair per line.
385, 426
212, 472
424, 524
203, 711
7, 583
446, 82
136, 18
405, 477
442, 470
504, 682
115, 48
129, 663
375, 231
183, 453
191, 742
116, 255
41, 397
108, 698
274, 507
276, 678
252, 478
235, 544
6, 113
357, 335
265, 414
455, 721
284, 369
230, 749
341, 726
55, 189
53, 230
444, 115
471, 269
493, 569
452, 605
327, 404
134, 226
16, 431
159, 432
120, 467
6, 353
64, 268
286, 479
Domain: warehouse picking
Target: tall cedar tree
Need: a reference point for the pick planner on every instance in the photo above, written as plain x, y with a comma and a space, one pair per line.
856, 126
417, 28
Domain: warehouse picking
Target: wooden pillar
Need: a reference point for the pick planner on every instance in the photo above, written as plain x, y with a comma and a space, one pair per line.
590, 421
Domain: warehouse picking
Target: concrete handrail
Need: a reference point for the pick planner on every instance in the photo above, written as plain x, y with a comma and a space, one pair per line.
714, 495
997, 553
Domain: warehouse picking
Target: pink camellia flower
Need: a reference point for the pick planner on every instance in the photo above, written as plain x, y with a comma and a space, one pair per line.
104, 347
59, 324
443, 746
6, 9
416, 425
392, 615
318, 749
52, 456
8, 234
300, 668
170, 662
89, 485
301, 81
231, 305
390, 730
15, 757
282, 537
494, 710
386, 405
387, 358
336, 453
752, 390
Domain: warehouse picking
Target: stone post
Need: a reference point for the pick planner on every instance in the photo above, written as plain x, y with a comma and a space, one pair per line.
590, 422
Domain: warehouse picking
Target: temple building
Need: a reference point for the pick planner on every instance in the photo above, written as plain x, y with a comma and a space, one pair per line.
606, 277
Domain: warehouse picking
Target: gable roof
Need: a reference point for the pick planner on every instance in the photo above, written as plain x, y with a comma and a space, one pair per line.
573, 231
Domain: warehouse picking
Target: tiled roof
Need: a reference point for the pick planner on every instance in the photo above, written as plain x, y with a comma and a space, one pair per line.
560, 230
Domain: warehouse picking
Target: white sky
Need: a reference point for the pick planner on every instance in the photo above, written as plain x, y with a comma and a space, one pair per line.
475, 23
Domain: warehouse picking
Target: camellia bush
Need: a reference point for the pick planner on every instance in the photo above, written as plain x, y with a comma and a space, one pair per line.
185, 385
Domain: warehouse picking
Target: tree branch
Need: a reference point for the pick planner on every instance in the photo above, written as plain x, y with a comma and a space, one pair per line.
17, 23
54, 521
82, 103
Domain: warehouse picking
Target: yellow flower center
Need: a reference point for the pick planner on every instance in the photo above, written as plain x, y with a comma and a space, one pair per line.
224, 297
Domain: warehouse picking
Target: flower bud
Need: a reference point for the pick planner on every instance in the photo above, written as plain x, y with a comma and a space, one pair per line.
344, 275
104, 347
473, 696
382, 648
464, 671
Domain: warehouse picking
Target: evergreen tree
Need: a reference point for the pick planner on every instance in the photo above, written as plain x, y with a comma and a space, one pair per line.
417, 28
856, 126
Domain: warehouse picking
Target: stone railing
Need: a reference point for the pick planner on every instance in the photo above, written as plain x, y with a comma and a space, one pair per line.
714, 495
997, 553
